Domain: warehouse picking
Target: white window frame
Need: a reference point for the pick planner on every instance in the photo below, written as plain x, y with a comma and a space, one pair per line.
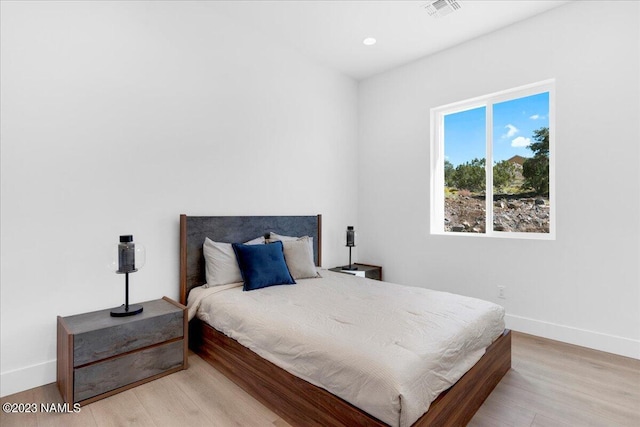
437, 159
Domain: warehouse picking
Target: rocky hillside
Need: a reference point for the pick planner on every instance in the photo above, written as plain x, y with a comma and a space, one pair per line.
519, 214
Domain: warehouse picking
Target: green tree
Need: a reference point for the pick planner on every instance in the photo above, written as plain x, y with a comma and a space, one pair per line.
504, 175
470, 175
536, 169
449, 172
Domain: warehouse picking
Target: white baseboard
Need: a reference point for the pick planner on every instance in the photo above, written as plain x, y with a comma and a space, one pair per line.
595, 340
28, 377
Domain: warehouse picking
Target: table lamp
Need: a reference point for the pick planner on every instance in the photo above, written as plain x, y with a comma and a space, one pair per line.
351, 242
130, 258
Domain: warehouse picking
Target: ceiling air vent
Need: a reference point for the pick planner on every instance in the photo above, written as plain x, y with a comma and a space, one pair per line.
439, 8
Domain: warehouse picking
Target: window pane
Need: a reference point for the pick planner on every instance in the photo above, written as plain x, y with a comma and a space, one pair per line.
465, 176
521, 165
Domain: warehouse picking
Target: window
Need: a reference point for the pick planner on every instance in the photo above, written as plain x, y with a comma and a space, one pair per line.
492, 170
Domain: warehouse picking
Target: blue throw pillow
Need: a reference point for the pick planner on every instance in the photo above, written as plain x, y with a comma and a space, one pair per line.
262, 265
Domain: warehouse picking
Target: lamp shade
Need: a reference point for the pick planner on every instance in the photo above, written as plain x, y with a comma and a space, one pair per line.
350, 243
351, 236
127, 256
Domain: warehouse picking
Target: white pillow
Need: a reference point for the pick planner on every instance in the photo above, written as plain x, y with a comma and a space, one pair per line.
299, 258
274, 236
221, 264
257, 241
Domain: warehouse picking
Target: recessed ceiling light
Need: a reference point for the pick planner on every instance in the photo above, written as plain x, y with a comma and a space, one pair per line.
369, 41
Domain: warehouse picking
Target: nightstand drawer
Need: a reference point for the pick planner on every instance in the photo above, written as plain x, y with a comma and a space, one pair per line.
114, 373
122, 335
100, 355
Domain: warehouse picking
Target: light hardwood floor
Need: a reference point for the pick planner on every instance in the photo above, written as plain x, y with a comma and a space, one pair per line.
550, 384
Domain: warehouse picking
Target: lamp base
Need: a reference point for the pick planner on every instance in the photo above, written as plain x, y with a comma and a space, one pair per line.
349, 268
122, 310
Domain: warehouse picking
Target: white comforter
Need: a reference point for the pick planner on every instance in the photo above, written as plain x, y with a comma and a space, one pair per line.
387, 349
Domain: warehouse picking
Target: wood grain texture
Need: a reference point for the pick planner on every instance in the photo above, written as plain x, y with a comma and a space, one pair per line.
19, 418
66, 418
558, 384
561, 384
550, 384
167, 404
129, 386
234, 229
120, 410
101, 377
295, 400
185, 329
98, 336
184, 285
319, 240
64, 362
219, 398
301, 403
100, 355
457, 405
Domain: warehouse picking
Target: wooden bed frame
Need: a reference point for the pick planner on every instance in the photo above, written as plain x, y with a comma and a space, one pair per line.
295, 400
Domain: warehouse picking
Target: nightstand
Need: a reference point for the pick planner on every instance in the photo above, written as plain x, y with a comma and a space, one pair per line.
100, 355
364, 270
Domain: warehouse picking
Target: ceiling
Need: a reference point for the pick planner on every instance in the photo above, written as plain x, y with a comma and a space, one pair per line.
332, 32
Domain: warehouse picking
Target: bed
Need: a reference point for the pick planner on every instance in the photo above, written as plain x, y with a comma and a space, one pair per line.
296, 400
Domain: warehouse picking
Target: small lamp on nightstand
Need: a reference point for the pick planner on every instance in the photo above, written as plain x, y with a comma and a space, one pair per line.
351, 242
130, 258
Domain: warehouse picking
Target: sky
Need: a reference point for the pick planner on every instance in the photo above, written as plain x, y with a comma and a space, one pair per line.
513, 124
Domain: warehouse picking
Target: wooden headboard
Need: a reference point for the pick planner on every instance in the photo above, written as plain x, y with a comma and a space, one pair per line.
234, 229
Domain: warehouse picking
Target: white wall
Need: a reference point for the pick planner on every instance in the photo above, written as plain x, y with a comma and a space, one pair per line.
116, 118
582, 288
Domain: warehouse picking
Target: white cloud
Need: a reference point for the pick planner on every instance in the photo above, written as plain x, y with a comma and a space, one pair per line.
535, 117
512, 131
521, 141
